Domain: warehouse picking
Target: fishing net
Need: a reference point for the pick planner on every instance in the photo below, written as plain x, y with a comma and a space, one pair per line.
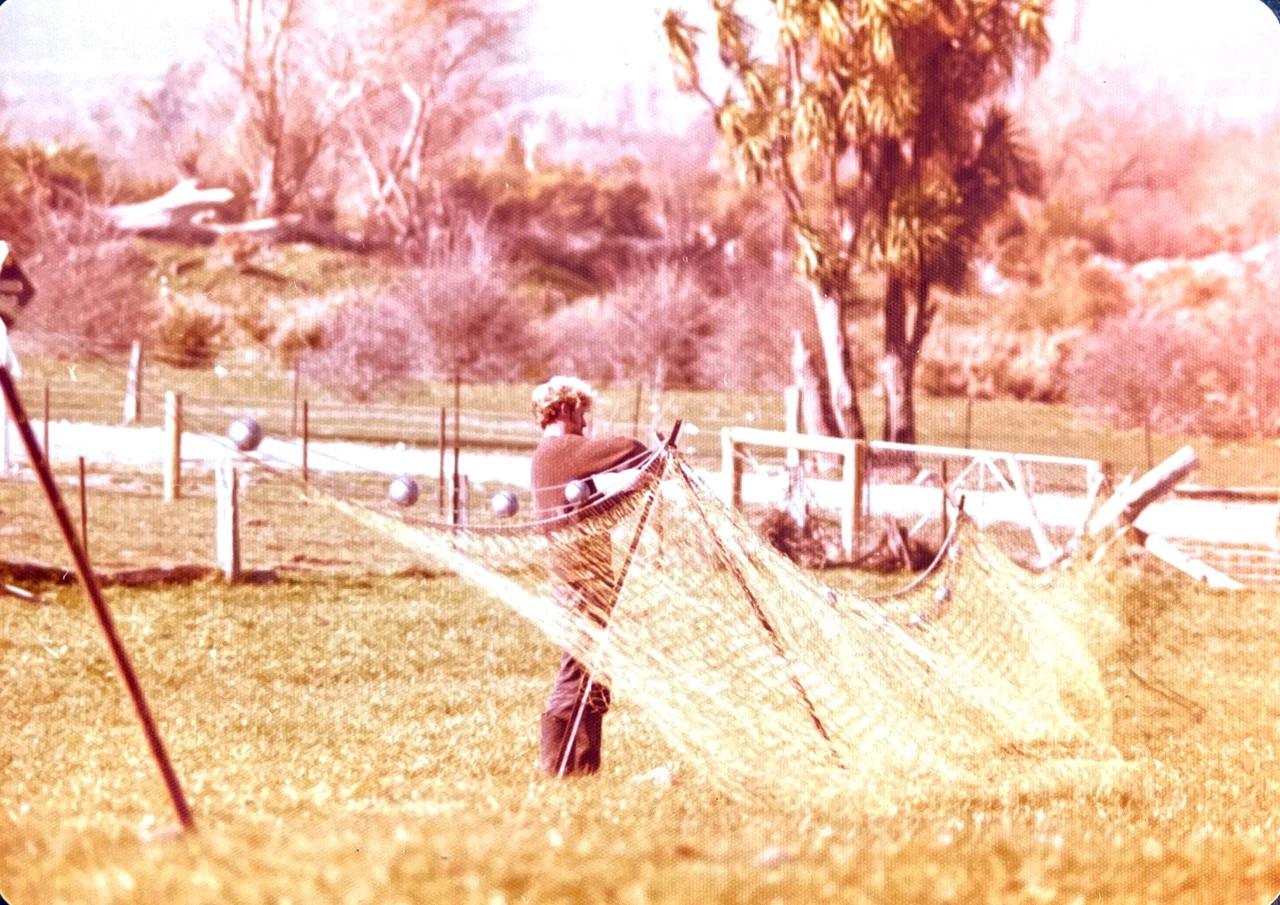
770, 683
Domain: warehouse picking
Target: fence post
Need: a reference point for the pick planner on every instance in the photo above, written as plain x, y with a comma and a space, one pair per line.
133, 386
861, 477
306, 437
731, 468
850, 500
84, 509
791, 412
4, 440
296, 375
172, 446
441, 446
228, 532
45, 441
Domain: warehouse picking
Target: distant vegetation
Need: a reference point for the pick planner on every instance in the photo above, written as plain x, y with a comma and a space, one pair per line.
645, 260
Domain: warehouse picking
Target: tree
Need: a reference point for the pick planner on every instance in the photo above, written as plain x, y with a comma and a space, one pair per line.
295, 79
875, 122
439, 72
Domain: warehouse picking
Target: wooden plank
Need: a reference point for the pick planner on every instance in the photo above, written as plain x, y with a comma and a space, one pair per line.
752, 436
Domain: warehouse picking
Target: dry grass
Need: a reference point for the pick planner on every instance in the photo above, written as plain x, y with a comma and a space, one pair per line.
360, 738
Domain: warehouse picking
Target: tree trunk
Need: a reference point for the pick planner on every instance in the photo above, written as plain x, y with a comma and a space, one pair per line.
815, 400
841, 386
897, 367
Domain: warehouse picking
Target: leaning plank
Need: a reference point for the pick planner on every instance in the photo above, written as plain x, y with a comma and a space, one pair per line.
1125, 506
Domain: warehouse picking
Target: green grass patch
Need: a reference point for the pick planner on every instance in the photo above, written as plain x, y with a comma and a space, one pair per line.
363, 738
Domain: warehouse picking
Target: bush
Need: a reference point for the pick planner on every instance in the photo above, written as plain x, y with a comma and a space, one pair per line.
655, 327
90, 284
458, 313
190, 329
1025, 365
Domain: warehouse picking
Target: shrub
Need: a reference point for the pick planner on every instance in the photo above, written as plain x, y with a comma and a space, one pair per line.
91, 286
655, 327
457, 313
190, 329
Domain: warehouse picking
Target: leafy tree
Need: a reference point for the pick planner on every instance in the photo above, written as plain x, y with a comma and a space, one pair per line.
875, 122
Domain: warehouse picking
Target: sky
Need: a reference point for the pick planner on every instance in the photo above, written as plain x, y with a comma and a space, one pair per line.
57, 57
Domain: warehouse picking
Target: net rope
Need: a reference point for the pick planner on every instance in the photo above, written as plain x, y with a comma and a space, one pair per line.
769, 682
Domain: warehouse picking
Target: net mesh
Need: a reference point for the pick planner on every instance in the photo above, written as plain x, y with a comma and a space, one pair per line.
768, 681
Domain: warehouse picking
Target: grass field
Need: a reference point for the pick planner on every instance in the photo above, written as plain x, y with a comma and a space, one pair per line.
346, 735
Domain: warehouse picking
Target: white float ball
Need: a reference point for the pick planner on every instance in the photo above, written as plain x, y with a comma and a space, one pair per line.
576, 491
403, 491
245, 433
505, 504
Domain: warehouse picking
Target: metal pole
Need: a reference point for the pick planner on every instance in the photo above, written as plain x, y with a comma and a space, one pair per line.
45, 445
89, 580
457, 443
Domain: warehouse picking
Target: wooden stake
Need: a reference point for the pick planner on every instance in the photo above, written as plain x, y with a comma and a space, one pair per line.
635, 412
228, 529
173, 446
457, 444
84, 510
730, 469
946, 516
306, 430
791, 416
133, 386
443, 444
93, 590
296, 377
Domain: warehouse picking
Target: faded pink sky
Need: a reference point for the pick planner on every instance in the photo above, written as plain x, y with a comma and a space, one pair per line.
59, 56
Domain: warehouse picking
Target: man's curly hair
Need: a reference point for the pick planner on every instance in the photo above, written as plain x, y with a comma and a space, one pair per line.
561, 395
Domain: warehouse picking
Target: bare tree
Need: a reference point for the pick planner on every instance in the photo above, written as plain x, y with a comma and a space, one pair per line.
295, 79
439, 72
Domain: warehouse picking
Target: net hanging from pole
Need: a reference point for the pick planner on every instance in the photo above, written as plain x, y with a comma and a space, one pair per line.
770, 683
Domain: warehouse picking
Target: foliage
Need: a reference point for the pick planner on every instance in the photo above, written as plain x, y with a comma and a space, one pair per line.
36, 179
190, 330
456, 314
874, 122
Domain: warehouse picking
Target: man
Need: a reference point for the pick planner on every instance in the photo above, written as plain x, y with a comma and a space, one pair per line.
581, 565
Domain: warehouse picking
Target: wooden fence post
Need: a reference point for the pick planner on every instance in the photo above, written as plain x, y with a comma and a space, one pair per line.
731, 468
84, 510
296, 379
133, 386
850, 500
172, 446
228, 532
45, 439
791, 414
306, 437
441, 446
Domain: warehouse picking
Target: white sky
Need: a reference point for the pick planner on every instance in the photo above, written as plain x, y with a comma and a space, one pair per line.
60, 55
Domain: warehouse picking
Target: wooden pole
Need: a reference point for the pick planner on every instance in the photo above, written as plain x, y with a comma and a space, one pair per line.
227, 484
946, 516
861, 489
133, 386
635, 412
173, 446
731, 469
443, 444
457, 444
791, 416
851, 499
84, 510
45, 444
306, 438
93, 590
296, 377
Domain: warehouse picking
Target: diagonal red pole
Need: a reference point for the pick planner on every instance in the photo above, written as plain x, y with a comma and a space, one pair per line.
93, 590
